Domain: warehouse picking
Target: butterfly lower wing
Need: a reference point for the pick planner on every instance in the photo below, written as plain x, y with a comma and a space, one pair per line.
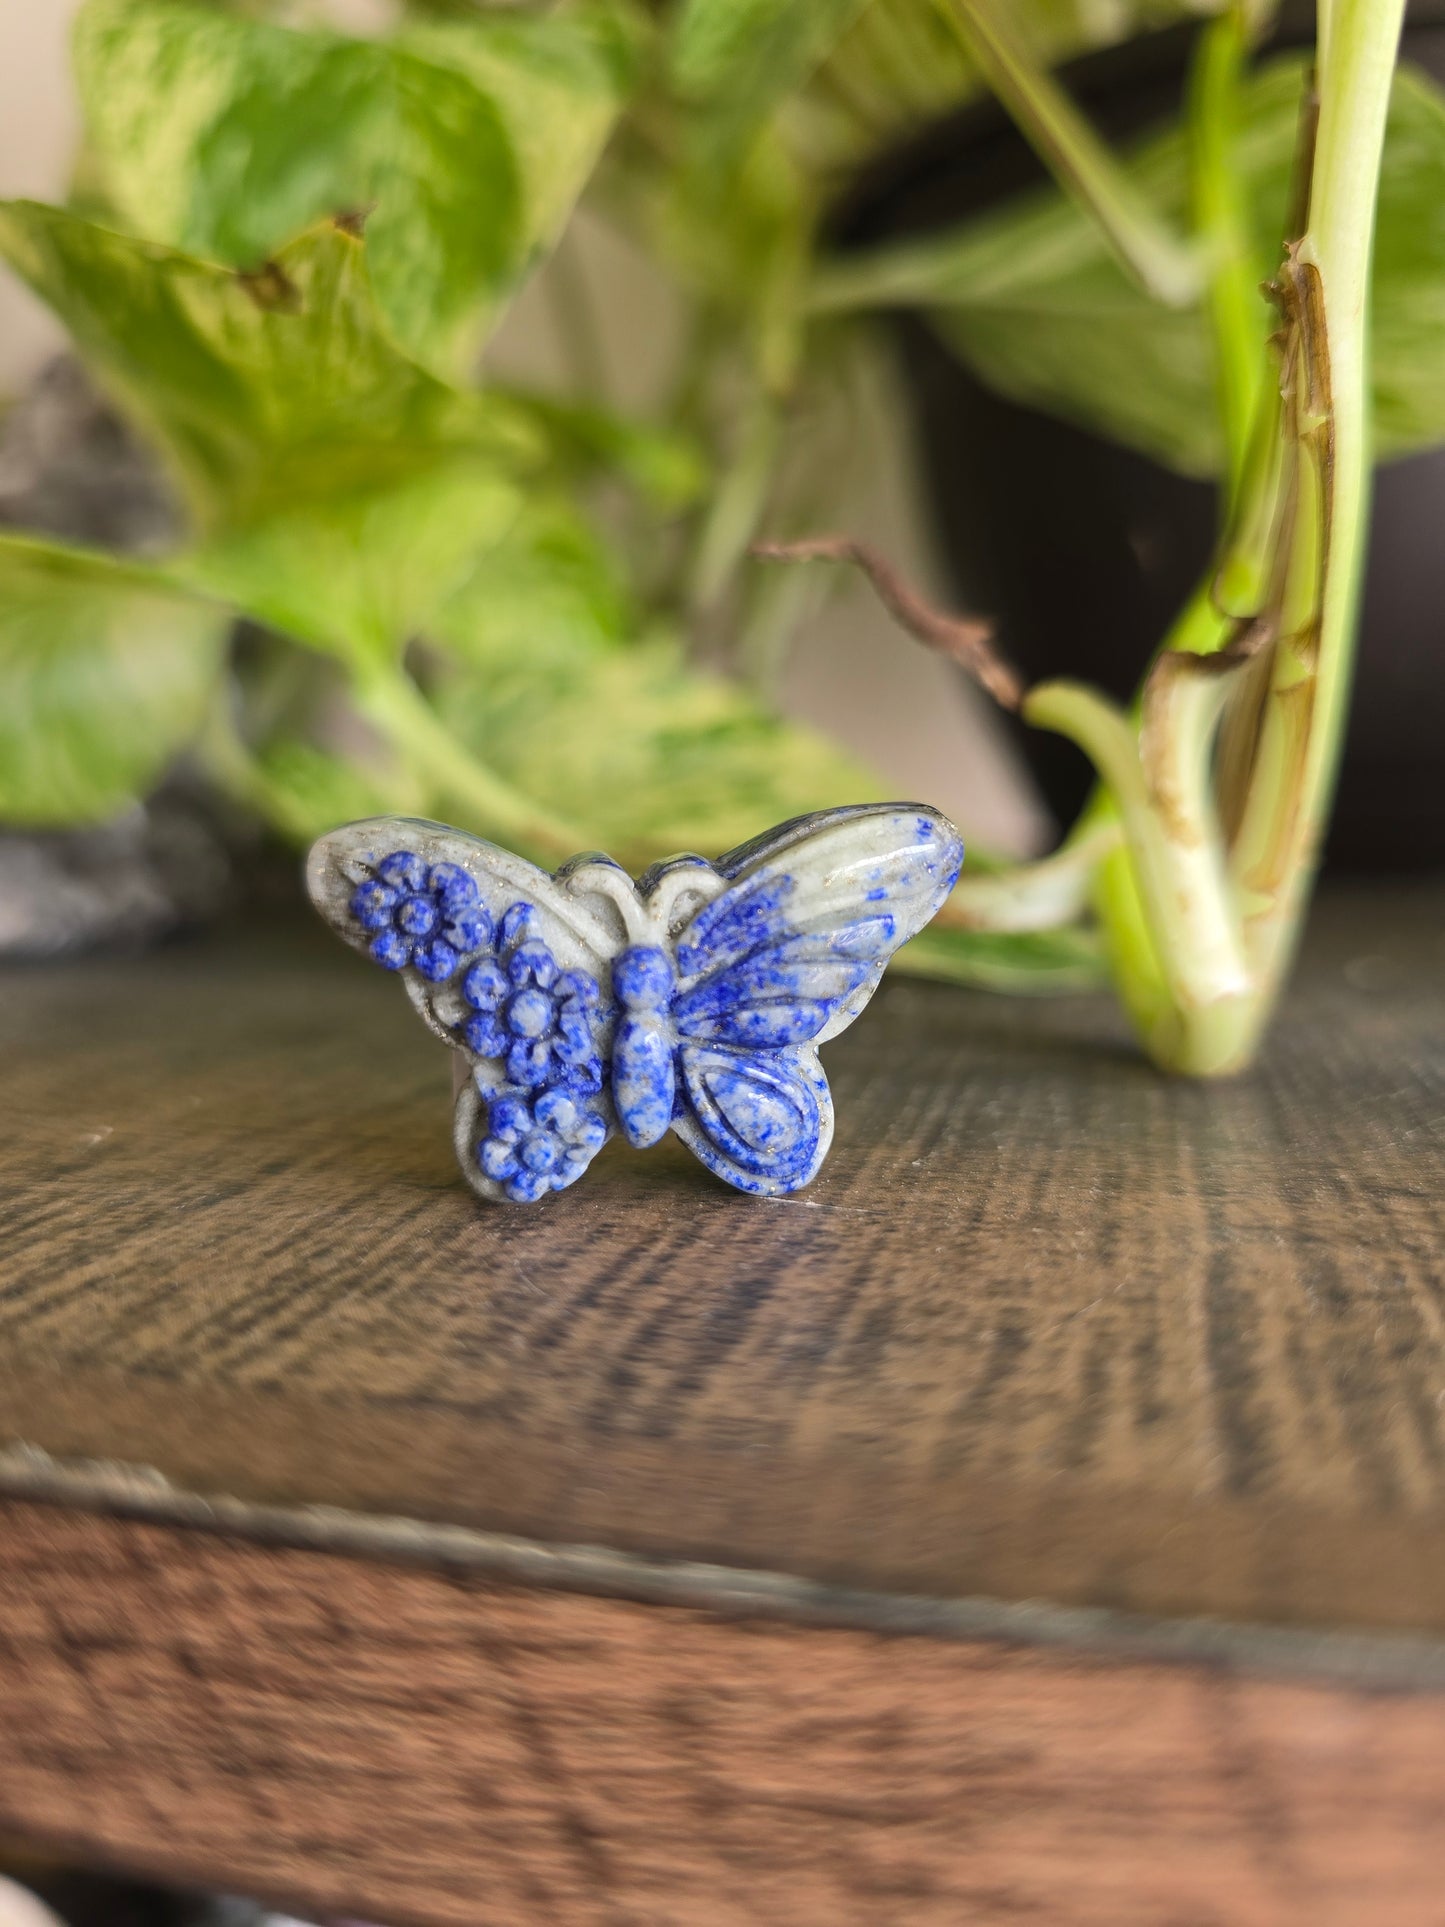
760, 1120
793, 948
504, 964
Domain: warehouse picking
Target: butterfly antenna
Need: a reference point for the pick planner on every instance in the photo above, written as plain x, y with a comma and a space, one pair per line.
605, 879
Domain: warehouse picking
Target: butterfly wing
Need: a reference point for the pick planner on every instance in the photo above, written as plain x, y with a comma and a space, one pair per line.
784, 958
793, 948
504, 963
761, 1120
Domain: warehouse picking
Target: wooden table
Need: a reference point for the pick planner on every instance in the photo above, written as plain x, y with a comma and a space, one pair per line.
1042, 1519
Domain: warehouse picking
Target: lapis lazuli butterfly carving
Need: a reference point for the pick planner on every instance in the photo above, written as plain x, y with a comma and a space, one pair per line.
693, 1000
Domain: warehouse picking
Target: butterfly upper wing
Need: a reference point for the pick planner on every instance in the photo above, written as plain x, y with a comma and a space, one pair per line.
465, 925
793, 948
344, 861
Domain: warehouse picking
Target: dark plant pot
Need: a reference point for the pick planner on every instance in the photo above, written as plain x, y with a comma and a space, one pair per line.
1084, 551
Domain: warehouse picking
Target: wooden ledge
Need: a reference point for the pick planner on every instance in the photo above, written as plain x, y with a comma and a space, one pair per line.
445, 1750
913, 1513
1388, 1662
1048, 1326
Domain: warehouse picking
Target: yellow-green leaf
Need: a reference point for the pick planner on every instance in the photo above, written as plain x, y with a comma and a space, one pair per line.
468, 142
360, 574
105, 674
265, 391
624, 738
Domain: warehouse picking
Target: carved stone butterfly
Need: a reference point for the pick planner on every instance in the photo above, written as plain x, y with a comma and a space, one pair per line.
693, 1000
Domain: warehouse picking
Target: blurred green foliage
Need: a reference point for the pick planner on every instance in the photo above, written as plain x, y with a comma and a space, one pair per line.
407, 587
1032, 298
468, 140
106, 676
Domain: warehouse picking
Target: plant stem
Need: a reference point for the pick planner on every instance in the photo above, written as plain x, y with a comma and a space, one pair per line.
1162, 264
1031, 897
390, 700
1222, 231
1296, 539
1199, 928
738, 504
1191, 968
965, 639
1304, 718
232, 767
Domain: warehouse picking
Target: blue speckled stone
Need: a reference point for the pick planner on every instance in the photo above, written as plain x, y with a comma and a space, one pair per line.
417, 916
402, 868
643, 1079
373, 904
452, 887
426, 919
756, 1109
436, 959
531, 1147
693, 1001
391, 950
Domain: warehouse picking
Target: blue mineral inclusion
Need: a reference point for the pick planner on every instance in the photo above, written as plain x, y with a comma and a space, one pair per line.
760, 1112
522, 1008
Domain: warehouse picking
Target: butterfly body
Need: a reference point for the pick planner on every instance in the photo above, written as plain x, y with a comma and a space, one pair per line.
644, 1082
693, 1000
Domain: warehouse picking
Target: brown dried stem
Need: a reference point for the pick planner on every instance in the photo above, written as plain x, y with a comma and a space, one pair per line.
966, 640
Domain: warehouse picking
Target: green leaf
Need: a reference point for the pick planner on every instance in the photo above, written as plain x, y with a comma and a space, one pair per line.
1408, 314
1031, 299
650, 755
460, 552
1036, 962
739, 236
737, 59
558, 81
621, 737
902, 65
357, 575
533, 677
105, 674
265, 391
667, 468
225, 135
544, 600
303, 790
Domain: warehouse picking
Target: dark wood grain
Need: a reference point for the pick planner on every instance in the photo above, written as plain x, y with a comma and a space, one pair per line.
456, 1753
1048, 1326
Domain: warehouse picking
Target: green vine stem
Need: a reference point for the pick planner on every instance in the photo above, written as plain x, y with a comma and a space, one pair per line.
1157, 776
1221, 921
1201, 898
1359, 42
1046, 895
1222, 232
392, 703
437, 765
1164, 265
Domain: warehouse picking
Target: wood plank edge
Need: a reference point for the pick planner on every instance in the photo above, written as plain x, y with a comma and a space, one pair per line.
1386, 1662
